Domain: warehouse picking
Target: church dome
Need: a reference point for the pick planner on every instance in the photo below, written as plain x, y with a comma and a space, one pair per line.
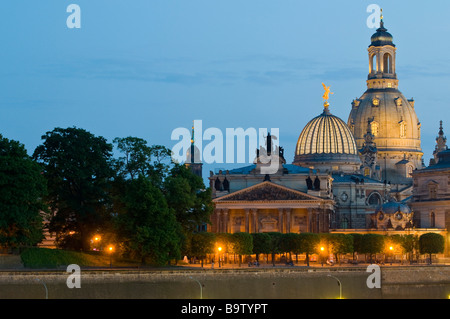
391, 117
392, 207
381, 37
327, 141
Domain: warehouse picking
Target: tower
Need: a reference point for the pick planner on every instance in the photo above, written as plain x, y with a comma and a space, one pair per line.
393, 120
441, 145
193, 160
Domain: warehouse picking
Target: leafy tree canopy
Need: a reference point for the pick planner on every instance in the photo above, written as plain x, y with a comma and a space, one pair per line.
22, 188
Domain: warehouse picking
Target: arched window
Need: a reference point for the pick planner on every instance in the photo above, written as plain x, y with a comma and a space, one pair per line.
432, 220
387, 63
432, 190
374, 126
373, 64
409, 171
402, 129
374, 199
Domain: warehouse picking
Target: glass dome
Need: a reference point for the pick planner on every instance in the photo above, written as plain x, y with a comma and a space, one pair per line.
326, 134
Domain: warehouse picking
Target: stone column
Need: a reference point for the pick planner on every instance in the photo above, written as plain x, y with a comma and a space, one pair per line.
288, 220
255, 220
247, 224
225, 220
218, 221
309, 220
280, 220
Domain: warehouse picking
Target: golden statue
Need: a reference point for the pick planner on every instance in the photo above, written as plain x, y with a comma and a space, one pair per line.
326, 94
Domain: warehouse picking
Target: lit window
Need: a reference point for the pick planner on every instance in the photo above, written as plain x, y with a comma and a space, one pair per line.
402, 129
374, 126
409, 170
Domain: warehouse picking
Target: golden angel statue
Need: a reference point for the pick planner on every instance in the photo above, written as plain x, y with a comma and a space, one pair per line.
327, 93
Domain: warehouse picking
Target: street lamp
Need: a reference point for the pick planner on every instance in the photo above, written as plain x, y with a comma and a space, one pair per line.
322, 249
392, 253
110, 251
339, 284
219, 249
95, 241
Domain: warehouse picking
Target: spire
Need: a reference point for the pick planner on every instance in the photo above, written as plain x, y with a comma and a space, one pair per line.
193, 157
441, 143
192, 145
381, 19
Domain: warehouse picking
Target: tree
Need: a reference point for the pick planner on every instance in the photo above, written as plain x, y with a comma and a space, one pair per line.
275, 244
202, 244
225, 240
431, 243
261, 244
290, 243
76, 165
135, 159
242, 244
22, 188
140, 159
410, 243
372, 244
340, 244
187, 196
357, 243
308, 244
145, 225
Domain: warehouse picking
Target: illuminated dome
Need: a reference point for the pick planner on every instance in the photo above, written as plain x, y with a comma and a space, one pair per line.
327, 143
382, 37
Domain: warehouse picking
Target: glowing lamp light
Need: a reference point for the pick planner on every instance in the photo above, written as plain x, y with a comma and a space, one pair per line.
322, 248
391, 248
220, 248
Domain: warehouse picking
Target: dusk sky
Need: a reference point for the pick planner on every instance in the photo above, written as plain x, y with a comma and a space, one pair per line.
145, 67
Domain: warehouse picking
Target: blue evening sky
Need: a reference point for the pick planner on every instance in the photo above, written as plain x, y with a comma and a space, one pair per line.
145, 67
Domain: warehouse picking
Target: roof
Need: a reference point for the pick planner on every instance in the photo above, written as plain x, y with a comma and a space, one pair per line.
267, 191
381, 37
353, 178
326, 134
291, 169
443, 162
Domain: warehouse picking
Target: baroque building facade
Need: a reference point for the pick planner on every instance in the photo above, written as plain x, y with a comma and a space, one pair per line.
365, 175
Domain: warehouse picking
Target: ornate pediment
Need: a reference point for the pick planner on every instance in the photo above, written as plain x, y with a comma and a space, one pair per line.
266, 191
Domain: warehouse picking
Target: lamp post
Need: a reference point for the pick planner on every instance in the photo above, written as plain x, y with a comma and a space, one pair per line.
219, 249
322, 249
392, 253
45, 286
110, 251
339, 284
201, 287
